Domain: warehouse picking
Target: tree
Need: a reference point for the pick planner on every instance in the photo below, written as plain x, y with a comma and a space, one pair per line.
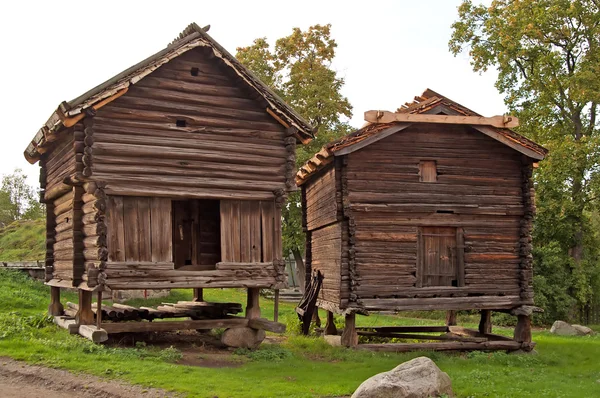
547, 53
299, 69
18, 200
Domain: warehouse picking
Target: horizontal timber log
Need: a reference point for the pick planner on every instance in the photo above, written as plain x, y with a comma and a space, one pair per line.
140, 327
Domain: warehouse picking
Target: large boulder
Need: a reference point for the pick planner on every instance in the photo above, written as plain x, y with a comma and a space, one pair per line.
418, 378
243, 337
583, 330
564, 329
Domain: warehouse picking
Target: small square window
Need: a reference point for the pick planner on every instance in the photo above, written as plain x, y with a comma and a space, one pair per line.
427, 171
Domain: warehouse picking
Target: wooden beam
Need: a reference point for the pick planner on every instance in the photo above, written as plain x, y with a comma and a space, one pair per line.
85, 315
508, 142
252, 305
447, 346
330, 325
349, 336
55, 308
138, 327
485, 323
372, 139
388, 117
265, 324
93, 333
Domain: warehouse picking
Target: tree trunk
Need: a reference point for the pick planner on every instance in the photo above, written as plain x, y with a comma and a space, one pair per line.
300, 269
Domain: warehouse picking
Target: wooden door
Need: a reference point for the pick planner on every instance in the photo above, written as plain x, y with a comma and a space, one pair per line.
439, 254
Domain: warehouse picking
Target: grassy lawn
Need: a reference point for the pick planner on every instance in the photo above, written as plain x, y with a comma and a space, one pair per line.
295, 367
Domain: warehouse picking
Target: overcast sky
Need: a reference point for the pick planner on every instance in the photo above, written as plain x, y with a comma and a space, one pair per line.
388, 51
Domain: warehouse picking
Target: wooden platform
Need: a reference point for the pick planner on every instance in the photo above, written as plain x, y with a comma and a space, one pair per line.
439, 338
182, 309
120, 318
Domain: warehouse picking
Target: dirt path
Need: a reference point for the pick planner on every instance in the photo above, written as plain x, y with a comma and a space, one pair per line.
20, 380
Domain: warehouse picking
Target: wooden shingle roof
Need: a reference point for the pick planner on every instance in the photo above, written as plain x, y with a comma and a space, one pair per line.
429, 102
68, 113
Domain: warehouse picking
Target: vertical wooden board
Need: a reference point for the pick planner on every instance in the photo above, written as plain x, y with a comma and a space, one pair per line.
131, 229
245, 234
116, 237
181, 233
195, 231
420, 259
277, 235
225, 215
235, 229
460, 256
255, 228
145, 234
160, 226
267, 228
230, 230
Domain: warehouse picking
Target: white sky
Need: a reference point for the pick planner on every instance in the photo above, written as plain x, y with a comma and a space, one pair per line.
388, 51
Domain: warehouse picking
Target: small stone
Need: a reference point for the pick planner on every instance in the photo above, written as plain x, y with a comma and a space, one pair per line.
417, 378
243, 337
333, 340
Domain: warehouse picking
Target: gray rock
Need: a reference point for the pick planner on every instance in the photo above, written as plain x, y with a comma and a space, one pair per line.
564, 329
418, 378
584, 330
243, 337
333, 340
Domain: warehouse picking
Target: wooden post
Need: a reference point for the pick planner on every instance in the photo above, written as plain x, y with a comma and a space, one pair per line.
198, 294
85, 315
99, 310
315, 317
276, 306
349, 336
450, 318
485, 324
55, 308
523, 329
330, 325
252, 306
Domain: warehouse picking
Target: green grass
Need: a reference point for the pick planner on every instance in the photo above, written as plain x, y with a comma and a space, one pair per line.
298, 366
23, 241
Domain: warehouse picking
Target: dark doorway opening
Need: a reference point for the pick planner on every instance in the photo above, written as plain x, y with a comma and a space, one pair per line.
196, 234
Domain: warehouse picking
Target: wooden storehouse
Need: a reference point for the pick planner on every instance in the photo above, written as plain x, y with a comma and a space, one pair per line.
426, 208
171, 174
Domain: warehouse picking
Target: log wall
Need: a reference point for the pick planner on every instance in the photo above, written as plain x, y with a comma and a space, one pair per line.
176, 134
479, 187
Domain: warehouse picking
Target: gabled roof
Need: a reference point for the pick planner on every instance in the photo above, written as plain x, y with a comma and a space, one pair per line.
429, 102
68, 113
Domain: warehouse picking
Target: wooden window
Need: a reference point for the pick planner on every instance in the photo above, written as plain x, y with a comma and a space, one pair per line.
440, 257
427, 171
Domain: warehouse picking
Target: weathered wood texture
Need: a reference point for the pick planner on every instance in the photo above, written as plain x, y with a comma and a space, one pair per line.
321, 200
60, 215
326, 249
173, 125
477, 188
60, 161
139, 229
154, 276
433, 213
248, 231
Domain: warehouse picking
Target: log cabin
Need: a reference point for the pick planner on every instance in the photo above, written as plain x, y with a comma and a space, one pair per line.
171, 174
426, 208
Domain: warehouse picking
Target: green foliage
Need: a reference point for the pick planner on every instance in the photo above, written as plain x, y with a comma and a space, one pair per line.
266, 352
547, 54
296, 367
23, 241
299, 69
18, 200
